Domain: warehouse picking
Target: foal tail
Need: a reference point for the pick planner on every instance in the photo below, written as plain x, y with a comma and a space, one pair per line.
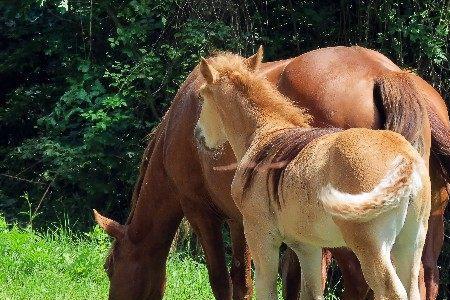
403, 106
401, 182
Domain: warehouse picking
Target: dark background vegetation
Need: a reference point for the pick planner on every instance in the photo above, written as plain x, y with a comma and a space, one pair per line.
82, 82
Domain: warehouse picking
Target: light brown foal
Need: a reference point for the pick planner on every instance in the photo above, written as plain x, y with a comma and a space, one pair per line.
368, 190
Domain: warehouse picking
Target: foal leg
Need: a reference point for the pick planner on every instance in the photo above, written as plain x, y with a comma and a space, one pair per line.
380, 273
407, 252
241, 273
209, 230
374, 255
291, 273
264, 245
311, 282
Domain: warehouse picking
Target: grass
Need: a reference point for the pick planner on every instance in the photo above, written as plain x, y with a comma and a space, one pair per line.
61, 265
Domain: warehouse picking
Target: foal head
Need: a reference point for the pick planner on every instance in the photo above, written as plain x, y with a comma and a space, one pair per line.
236, 96
216, 73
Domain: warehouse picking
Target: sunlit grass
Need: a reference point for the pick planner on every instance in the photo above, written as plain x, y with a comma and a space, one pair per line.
61, 265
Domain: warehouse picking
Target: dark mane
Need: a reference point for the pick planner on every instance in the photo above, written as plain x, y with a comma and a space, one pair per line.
142, 170
275, 155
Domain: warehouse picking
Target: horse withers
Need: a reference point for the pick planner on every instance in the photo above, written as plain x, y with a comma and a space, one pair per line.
368, 190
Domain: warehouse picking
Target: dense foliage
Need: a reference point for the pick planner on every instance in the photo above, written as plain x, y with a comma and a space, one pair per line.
83, 82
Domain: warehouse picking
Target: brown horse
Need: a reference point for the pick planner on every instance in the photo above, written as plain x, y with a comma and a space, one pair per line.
340, 87
311, 188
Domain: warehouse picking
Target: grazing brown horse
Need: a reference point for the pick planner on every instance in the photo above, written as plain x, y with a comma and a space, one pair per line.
310, 188
339, 87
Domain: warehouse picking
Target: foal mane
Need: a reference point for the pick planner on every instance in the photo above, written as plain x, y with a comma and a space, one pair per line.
262, 94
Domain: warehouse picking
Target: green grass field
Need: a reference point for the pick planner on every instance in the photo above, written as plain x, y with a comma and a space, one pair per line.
61, 265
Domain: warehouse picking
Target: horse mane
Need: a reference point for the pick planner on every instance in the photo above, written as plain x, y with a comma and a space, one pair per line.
152, 137
261, 94
277, 153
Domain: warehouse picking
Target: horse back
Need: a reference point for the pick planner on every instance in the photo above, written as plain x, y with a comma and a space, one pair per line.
337, 84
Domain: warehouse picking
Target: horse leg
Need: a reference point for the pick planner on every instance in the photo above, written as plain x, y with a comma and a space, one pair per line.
241, 274
372, 243
208, 228
290, 274
379, 271
435, 238
152, 225
355, 286
326, 262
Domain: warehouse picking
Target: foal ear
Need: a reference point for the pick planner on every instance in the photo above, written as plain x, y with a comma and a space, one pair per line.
254, 61
111, 227
209, 73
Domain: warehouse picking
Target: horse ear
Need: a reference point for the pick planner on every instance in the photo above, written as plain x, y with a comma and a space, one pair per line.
209, 73
254, 61
111, 227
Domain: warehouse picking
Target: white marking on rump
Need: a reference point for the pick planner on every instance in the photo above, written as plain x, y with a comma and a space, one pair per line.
401, 182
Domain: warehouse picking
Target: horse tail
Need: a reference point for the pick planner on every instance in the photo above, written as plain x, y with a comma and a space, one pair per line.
401, 181
440, 142
153, 137
402, 106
